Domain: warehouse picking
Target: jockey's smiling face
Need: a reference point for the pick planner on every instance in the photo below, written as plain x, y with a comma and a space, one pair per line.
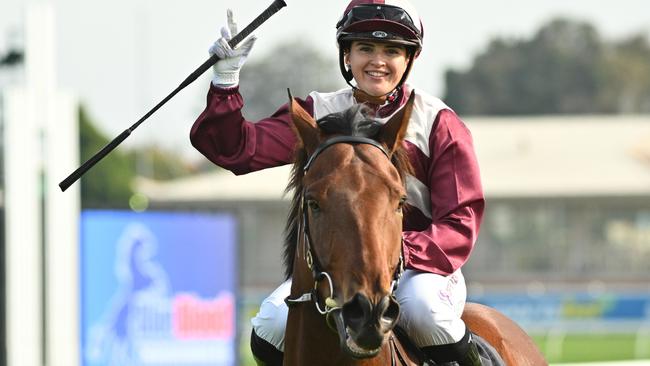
377, 67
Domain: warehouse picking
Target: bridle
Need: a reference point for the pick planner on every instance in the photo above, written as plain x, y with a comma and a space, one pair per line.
308, 253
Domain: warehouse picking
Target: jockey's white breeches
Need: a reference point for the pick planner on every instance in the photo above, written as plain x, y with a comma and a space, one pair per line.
430, 304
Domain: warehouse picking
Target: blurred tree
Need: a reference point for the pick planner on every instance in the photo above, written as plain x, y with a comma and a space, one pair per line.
565, 68
295, 65
156, 163
626, 79
107, 184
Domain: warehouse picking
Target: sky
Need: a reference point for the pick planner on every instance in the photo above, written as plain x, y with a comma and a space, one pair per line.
121, 57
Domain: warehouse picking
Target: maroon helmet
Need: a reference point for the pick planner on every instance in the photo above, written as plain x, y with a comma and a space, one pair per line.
392, 21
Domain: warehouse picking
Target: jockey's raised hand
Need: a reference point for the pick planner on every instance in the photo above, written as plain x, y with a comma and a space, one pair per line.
226, 70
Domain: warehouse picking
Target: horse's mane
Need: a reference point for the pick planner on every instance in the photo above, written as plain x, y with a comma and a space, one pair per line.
355, 121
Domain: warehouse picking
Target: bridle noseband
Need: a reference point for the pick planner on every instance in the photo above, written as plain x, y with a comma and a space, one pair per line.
309, 255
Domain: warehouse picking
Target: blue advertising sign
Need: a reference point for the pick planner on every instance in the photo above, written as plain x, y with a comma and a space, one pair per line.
579, 310
158, 289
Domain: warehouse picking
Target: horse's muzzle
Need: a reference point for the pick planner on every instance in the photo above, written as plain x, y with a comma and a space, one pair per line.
362, 325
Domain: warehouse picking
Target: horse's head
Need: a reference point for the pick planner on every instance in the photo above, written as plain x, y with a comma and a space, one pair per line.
346, 224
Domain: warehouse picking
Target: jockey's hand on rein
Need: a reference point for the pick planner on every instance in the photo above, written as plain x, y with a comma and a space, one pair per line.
226, 70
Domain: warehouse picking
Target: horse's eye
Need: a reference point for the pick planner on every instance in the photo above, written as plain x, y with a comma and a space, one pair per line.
400, 206
313, 205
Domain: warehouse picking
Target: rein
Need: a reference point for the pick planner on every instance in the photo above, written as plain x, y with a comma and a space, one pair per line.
309, 254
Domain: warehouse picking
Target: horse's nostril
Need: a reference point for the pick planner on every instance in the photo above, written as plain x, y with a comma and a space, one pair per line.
367, 323
389, 313
357, 311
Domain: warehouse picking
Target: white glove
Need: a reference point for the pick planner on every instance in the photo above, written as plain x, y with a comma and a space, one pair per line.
226, 70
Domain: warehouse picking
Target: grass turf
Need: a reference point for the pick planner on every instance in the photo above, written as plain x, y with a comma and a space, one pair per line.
590, 347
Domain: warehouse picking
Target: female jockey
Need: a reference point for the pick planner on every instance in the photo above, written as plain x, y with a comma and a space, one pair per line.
378, 42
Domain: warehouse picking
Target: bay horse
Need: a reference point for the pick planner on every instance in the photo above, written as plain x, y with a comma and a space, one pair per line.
343, 248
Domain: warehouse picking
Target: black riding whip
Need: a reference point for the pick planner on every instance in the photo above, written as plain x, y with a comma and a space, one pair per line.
266, 14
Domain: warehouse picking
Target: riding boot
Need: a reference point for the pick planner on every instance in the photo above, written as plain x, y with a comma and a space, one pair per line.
463, 352
264, 352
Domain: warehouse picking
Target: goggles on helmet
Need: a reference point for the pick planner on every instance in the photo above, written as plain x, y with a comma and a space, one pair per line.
372, 12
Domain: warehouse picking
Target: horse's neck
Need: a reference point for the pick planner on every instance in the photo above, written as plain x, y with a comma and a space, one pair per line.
308, 341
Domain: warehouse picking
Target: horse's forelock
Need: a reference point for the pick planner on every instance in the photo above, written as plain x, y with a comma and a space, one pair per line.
355, 121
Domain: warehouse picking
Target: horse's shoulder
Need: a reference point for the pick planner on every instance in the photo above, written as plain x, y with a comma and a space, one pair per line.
511, 342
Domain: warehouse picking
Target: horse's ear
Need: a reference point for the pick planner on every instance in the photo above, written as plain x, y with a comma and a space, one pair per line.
304, 125
392, 133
